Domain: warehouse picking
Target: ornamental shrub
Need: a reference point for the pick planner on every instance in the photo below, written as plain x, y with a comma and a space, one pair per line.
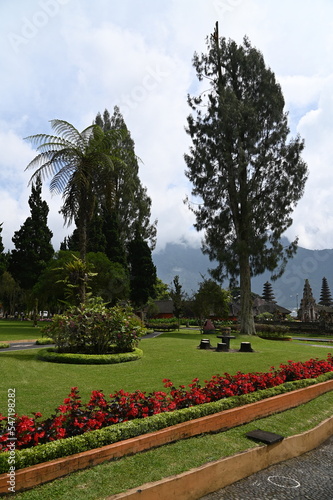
93, 328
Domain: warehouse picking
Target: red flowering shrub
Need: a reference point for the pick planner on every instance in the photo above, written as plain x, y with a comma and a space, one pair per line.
73, 417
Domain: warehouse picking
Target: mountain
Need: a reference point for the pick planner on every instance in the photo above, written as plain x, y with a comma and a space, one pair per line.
191, 265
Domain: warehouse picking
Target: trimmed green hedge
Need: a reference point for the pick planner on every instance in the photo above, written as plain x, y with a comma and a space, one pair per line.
88, 359
272, 330
272, 336
133, 428
44, 341
165, 324
4, 345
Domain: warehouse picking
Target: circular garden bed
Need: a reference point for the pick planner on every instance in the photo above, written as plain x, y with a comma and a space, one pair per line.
51, 355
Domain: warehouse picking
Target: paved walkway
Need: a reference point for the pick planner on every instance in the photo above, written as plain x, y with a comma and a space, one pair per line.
307, 477
22, 345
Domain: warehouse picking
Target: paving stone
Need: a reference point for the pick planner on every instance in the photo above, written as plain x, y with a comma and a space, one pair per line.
307, 477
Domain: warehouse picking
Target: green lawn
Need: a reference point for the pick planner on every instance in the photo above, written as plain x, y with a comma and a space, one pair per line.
42, 386
129, 472
19, 330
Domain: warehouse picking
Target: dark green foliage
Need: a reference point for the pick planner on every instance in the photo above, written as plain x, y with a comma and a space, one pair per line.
142, 272
132, 205
111, 280
178, 297
103, 235
162, 291
33, 248
10, 293
247, 172
272, 331
162, 324
211, 299
3, 256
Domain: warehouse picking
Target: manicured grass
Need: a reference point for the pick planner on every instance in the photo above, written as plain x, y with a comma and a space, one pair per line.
19, 330
42, 386
133, 471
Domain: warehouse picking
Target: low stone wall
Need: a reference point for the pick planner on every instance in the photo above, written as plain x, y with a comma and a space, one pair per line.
41, 473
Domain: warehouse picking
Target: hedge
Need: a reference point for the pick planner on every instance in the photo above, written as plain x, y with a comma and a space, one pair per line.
130, 429
165, 324
88, 359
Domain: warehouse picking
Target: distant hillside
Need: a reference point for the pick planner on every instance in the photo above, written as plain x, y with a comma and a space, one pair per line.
190, 265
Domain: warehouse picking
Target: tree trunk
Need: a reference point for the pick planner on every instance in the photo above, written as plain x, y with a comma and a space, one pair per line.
246, 316
82, 228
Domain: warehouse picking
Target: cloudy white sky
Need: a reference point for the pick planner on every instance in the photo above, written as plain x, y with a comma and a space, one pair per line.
69, 59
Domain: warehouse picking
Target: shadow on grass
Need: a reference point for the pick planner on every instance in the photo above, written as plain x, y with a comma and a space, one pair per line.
17, 324
20, 355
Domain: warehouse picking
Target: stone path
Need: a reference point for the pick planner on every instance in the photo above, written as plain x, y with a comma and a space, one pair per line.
307, 477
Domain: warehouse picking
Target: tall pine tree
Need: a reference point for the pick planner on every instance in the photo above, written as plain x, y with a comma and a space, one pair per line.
3, 256
132, 208
33, 247
142, 272
247, 172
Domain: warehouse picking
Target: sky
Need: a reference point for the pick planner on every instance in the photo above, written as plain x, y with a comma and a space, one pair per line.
70, 59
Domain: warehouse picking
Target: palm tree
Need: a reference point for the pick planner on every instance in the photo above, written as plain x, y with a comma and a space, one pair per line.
81, 165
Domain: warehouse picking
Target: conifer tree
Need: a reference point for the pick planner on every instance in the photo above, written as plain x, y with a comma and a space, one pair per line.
132, 207
246, 172
33, 247
177, 296
142, 271
3, 256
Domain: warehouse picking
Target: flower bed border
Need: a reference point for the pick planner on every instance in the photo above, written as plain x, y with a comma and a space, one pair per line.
47, 471
50, 355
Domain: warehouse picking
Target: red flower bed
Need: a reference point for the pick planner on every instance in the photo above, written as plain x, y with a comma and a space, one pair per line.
74, 417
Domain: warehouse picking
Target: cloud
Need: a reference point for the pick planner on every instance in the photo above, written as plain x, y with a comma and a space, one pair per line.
82, 57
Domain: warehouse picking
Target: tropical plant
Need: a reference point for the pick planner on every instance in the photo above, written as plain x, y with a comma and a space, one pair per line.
77, 275
93, 328
80, 164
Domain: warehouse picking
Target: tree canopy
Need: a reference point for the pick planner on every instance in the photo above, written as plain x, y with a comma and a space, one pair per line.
33, 247
132, 207
246, 171
142, 271
211, 299
80, 164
